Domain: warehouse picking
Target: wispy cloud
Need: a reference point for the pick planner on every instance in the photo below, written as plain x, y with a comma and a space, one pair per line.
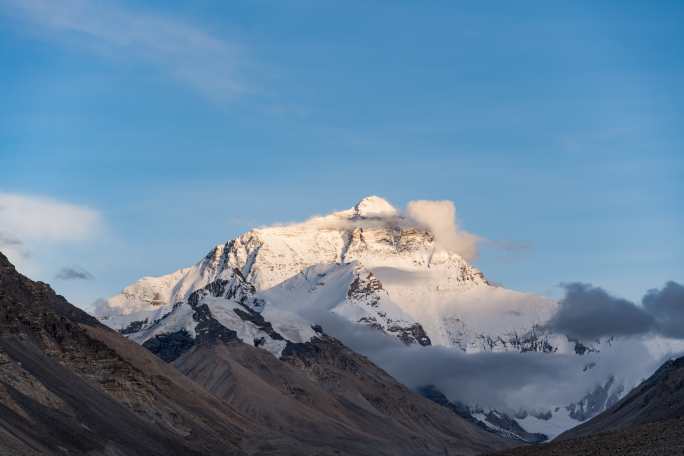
13, 247
440, 218
36, 218
28, 221
186, 52
74, 273
8, 240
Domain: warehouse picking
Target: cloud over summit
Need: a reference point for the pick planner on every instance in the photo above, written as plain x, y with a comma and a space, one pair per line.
440, 218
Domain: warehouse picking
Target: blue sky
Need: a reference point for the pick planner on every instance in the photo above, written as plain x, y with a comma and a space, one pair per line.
556, 129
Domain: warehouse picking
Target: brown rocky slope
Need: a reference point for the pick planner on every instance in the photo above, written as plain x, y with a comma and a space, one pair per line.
69, 385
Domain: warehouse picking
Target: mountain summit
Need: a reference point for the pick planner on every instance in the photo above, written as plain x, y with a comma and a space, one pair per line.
374, 206
281, 287
276, 288
368, 264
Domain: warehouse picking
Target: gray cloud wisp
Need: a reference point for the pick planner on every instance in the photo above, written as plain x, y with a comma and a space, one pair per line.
185, 52
74, 273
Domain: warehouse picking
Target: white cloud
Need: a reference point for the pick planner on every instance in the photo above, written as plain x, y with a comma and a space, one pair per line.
440, 218
27, 221
35, 218
187, 53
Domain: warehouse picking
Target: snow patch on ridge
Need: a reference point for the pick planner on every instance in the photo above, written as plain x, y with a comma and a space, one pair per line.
227, 309
350, 291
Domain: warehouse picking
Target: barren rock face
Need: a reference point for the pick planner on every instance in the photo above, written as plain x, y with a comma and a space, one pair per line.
70, 384
67, 383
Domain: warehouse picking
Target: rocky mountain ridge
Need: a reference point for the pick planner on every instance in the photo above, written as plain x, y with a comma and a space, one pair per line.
369, 265
388, 246
69, 385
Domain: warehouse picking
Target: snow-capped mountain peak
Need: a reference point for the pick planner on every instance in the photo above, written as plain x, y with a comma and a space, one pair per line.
369, 265
374, 206
389, 271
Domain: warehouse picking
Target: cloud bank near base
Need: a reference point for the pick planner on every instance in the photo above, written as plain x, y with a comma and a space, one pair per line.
533, 381
510, 382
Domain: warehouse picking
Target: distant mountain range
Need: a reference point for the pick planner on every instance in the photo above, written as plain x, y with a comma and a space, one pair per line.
369, 265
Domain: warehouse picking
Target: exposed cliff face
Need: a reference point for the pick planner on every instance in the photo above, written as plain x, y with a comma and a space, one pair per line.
227, 310
67, 383
350, 291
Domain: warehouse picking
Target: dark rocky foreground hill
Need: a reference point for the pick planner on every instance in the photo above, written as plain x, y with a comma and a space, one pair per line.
70, 386
648, 421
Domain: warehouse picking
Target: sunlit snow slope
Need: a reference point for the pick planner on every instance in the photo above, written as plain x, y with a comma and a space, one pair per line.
369, 264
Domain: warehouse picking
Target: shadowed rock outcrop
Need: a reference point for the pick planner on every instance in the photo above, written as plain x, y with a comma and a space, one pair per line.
69, 385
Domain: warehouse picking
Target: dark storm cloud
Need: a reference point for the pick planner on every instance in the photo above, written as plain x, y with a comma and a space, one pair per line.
667, 308
589, 313
74, 273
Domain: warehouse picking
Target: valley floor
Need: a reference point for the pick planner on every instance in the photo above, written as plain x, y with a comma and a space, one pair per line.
663, 438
